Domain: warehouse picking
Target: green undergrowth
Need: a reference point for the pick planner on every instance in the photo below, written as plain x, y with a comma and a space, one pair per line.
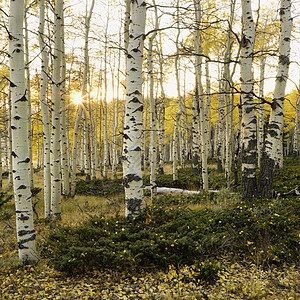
101, 187
264, 231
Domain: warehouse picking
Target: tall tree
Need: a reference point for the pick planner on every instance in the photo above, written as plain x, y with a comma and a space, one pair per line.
44, 109
275, 125
133, 123
249, 153
20, 146
55, 108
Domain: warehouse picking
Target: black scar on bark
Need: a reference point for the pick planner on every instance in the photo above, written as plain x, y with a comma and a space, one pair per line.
26, 160
20, 243
132, 119
129, 178
133, 205
137, 149
12, 84
13, 127
17, 117
24, 232
139, 109
14, 154
23, 217
134, 100
22, 99
22, 187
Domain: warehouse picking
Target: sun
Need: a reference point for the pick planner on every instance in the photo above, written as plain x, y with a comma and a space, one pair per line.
76, 98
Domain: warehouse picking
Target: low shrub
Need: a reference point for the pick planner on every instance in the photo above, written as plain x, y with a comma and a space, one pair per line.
163, 235
101, 187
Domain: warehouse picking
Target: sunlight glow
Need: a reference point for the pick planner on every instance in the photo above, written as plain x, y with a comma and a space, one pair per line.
76, 98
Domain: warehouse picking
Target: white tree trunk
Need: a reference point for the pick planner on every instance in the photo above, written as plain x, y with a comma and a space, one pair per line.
64, 143
28, 96
176, 134
249, 152
203, 125
133, 125
153, 117
45, 110
296, 127
275, 125
56, 101
20, 146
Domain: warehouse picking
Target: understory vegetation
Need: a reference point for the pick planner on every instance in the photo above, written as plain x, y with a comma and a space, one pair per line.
204, 246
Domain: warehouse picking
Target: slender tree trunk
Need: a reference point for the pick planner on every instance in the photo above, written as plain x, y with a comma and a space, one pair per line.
249, 153
196, 161
55, 108
203, 125
275, 125
65, 171
20, 144
161, 113
176, 135
153, 117
296, 127
28, 95
133, 125
45, 110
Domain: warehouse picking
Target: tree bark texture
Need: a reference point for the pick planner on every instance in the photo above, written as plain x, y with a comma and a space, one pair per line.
20, 144
275, 125
133, 123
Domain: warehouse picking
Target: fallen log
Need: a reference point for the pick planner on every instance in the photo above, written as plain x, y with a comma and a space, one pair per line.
166, 190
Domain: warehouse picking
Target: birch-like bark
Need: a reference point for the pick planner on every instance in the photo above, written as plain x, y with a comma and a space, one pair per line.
153, 117
249, 152
20, 144
105, 129
260, 113
161, 113
9, 145
221, 128
275, 125
28, 95
296, 127
116, 118
44, 109
198, 64
176, 134
64, 143
196, 161
55, 208
133, 123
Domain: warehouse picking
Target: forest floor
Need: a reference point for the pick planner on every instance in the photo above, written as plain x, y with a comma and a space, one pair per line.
244, 277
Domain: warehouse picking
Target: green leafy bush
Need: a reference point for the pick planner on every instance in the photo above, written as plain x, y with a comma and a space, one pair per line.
103, 187
4, 212
165, 235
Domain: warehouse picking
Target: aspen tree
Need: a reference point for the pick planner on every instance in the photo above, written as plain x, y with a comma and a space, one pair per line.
176, 134
28, 92
55, 207
44, 108
116, 117
161, 112
80, 110
198, 63
275, 125
133, 123
249, 153
64, 143
105, 126
20, 146
153, 117
296, 127
196, 161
